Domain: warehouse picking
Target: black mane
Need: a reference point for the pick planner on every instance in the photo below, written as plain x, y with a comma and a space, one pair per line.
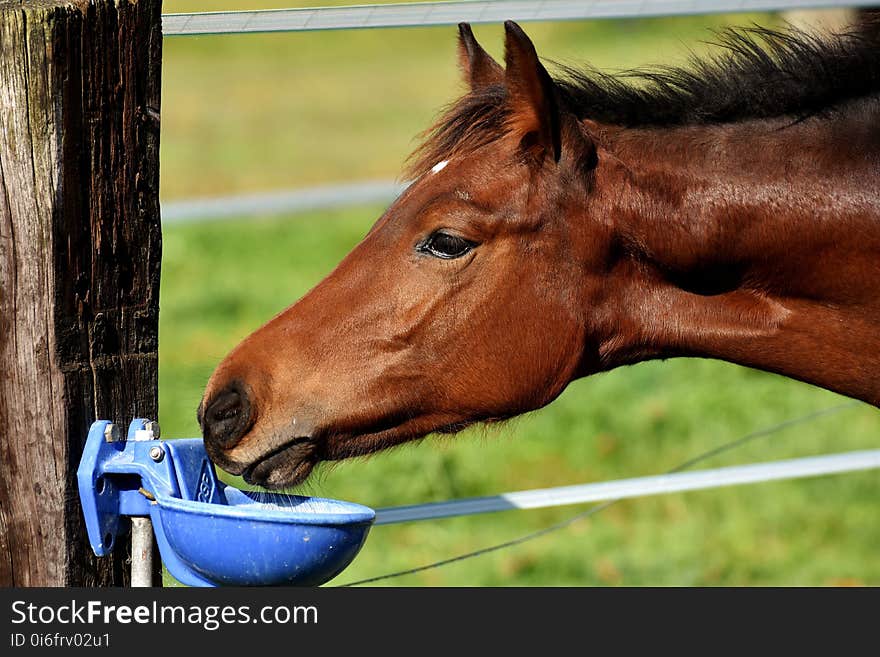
759, 73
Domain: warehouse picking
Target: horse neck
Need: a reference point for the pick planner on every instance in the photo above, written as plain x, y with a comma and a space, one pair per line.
754, 243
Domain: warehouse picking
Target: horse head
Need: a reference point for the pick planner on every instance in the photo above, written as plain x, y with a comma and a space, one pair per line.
462, 304
556, 228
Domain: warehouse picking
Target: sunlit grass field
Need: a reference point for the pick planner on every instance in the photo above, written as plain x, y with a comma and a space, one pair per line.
249, 113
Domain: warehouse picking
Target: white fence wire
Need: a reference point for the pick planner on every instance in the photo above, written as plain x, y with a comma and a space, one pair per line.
622, 489
421, 14
290, 201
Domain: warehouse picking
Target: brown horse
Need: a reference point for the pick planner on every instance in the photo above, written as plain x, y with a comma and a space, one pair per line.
561, 227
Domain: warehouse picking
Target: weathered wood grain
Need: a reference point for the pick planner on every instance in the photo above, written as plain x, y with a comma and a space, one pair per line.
80, 248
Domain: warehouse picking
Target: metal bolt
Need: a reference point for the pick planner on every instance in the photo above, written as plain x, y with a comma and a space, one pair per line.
153, 427
111, 433
157, 453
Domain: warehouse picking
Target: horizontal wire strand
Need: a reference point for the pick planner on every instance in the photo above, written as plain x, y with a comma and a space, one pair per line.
725, 447
624, 489
422, 14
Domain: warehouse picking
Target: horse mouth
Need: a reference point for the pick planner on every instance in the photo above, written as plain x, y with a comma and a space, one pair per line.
287, 465
292, 462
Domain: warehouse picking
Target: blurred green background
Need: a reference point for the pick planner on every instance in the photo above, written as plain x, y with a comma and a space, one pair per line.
262, 112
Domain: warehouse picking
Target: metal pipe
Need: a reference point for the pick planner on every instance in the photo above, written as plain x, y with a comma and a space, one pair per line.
142, 527
141, 552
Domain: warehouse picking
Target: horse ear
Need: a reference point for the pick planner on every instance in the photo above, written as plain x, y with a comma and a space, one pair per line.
532, 94
479, 69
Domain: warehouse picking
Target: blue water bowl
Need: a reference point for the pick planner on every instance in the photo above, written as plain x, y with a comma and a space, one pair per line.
261, 539
210, 533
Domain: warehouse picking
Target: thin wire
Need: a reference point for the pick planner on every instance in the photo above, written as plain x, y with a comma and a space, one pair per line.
449, 13
760, 433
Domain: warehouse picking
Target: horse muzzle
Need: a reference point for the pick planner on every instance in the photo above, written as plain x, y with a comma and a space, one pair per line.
226, 417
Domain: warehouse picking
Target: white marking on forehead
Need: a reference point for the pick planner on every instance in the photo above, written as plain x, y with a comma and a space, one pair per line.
439, 166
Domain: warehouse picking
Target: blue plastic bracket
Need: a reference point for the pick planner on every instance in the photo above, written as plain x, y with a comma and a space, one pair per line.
119, 478
210, 533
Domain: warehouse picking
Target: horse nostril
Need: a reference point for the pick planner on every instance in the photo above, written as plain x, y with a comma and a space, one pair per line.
227, 418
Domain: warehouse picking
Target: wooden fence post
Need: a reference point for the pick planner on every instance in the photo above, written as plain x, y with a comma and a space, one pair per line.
80, 248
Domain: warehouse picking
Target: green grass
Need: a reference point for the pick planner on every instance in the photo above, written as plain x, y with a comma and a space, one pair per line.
264, 111
245, 113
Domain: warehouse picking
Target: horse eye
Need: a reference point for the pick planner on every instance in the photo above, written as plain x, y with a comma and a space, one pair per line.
446, 246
